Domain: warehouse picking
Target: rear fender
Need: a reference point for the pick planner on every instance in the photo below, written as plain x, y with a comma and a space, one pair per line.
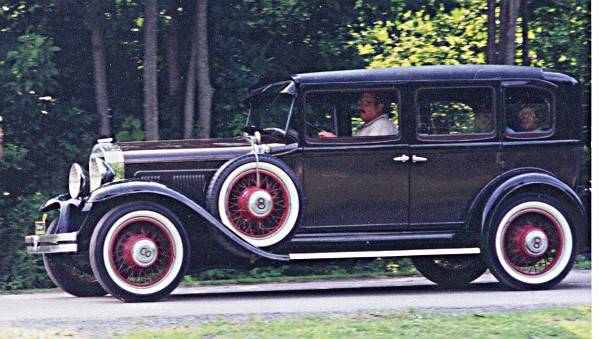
538, 181
132, 188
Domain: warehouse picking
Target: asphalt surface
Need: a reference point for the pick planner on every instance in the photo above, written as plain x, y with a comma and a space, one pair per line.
192, 304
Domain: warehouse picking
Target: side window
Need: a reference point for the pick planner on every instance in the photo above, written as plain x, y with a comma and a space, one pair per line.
455, 113
351, 115
528, 112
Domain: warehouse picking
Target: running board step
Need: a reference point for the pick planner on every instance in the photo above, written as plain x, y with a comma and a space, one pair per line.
376, 254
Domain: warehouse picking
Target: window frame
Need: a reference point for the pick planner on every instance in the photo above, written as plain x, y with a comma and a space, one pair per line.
353, 140
456, 137
529, 135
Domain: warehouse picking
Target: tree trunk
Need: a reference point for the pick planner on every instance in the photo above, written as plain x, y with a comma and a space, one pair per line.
491, 30
190, 89
507, 41
149, 73
205, 90
172, 47
99, 59
525, 47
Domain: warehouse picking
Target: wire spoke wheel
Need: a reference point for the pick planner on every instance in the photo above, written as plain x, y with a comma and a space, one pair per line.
257, 209
139, 251
260, 201
533, 242
142, 252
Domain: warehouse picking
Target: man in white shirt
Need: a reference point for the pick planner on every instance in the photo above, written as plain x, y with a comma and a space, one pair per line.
375, 122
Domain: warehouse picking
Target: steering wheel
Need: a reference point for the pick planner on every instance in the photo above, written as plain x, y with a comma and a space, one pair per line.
275, 129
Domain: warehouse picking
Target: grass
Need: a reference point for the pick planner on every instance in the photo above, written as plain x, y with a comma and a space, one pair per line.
572, 322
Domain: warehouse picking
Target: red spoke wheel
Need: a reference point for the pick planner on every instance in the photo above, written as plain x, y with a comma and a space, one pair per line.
259, 201
533, 244
139, 251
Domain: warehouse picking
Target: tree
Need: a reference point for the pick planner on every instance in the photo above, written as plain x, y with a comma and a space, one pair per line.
205, 89
150, 69
94, 23
491, 30
507, 31
190, 89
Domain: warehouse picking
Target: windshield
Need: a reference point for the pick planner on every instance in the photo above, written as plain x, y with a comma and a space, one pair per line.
271, 106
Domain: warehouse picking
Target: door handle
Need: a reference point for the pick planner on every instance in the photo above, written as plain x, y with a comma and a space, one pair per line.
402, 158
418, 159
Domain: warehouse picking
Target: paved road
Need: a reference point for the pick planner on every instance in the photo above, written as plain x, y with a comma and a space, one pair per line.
193, 303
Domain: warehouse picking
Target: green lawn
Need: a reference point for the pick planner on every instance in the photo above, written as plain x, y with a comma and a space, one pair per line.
554, 323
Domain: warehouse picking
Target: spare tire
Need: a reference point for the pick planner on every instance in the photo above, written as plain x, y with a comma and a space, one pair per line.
260, 201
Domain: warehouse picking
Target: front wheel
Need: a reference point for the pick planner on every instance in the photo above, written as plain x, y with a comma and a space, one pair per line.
139, 251
451, 270
531, 243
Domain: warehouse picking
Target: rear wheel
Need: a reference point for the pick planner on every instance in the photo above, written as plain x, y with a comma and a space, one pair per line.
531, 243
71, 275
450, 270
139, 251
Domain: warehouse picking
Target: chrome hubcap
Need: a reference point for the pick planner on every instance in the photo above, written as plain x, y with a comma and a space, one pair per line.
260, 203
536, 242
145, 252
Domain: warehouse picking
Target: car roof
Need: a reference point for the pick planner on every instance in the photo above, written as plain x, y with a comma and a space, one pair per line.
443, 72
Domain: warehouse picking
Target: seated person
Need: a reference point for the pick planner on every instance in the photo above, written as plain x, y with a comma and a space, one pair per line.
528, 121
483, 122
372, 113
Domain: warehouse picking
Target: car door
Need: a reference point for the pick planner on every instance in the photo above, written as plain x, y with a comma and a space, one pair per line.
455, 152
354, 185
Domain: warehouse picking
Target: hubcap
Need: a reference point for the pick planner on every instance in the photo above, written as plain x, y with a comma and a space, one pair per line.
144, 253
536, 242
260, 203
255, 203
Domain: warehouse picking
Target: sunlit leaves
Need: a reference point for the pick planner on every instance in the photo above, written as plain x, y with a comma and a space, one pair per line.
418, 38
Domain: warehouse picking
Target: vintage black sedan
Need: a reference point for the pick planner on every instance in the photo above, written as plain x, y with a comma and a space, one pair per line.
461, 168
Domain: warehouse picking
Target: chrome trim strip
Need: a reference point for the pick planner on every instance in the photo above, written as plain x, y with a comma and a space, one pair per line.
375, 254
51, 238
64, 248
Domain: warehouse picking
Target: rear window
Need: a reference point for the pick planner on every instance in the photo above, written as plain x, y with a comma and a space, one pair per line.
528, 112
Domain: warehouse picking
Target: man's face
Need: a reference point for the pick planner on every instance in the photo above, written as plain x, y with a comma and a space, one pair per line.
369, 108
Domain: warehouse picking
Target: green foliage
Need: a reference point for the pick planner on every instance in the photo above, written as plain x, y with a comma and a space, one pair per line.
42, 136
131, 130
456, 36
337, 269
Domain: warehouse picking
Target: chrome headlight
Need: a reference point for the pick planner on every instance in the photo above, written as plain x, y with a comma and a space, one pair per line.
99, 173
77, 181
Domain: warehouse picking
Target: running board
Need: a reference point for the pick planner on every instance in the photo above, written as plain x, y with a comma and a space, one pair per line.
376, 254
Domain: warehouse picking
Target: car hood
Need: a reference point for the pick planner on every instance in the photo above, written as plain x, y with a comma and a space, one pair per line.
192, 150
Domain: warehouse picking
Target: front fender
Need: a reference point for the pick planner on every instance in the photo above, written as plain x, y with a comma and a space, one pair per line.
521, 181
131, 188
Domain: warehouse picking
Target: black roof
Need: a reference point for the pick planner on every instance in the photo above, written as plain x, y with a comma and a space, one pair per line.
445, 72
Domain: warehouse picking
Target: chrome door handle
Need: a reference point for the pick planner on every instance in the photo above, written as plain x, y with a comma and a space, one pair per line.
402, 158
418, 159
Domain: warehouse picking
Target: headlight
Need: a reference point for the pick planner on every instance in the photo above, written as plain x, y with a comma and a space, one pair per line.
77, 181
99, 173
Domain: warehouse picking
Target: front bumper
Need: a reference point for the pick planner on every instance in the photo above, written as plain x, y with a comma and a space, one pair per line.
52, 243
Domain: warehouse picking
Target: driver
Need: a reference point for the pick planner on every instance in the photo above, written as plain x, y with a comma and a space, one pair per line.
372, 113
